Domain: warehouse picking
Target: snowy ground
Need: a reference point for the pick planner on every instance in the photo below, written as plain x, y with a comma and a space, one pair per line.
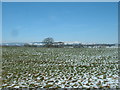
26, 67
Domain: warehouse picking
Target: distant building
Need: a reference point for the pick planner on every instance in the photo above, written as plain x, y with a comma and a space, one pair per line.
58, 43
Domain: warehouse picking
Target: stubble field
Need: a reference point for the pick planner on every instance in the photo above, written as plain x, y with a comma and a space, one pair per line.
27, 67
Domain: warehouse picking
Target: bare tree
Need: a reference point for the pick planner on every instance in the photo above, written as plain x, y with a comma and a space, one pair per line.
48, 42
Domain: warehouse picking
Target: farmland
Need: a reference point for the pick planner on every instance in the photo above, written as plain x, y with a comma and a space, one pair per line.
25, 67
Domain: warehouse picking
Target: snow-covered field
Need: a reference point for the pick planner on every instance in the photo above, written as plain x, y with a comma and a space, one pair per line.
27, 67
